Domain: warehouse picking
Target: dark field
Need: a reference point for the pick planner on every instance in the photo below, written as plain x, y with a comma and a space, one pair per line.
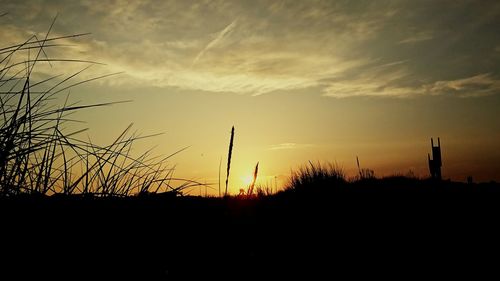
396, 227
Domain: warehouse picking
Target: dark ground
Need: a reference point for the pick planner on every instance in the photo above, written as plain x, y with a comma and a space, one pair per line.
395, 229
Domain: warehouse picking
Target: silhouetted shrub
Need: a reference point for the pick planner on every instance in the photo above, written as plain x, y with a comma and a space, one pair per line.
316, 176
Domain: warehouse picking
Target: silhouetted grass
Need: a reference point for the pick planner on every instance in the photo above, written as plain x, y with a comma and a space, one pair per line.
316, 176
38, 155
252, 184
229, 154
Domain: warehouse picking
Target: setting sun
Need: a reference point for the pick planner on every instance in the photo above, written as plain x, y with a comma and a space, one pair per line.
246, 180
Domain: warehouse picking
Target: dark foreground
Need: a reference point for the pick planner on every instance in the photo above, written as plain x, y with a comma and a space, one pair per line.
372, 230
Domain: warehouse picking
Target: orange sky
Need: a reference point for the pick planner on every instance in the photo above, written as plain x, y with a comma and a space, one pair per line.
300, 81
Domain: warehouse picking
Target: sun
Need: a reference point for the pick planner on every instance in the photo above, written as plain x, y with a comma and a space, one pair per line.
247, 180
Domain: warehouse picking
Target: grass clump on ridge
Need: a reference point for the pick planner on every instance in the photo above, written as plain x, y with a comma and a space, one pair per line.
316, 176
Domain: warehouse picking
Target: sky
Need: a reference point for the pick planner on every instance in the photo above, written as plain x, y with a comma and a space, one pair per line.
300, 80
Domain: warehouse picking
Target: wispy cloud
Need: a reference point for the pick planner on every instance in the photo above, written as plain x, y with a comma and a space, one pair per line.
339, 49
385, 86
379, 80
220, 35
417, 37
289, 145
474, 86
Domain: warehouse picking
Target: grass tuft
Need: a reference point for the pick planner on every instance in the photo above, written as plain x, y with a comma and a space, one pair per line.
316, 176
39, 156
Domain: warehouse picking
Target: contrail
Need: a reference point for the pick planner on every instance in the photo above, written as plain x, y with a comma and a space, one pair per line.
217, 39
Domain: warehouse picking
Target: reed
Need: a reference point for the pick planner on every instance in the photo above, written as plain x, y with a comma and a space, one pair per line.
364, 173
220, 165
250, 188
229, 159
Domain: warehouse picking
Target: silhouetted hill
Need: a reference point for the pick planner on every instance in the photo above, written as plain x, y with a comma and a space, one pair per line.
395, 227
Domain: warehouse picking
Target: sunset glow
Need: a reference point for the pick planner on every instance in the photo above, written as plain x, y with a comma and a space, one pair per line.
247, 180
299, 80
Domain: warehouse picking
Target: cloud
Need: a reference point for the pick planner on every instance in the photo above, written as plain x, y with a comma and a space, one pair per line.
417, 37
216, 40
385, 86
338, 49
289, 145
379, 80
474, 86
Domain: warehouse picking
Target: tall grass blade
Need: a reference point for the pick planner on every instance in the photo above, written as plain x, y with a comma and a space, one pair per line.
229, 159
220, 165
250, 189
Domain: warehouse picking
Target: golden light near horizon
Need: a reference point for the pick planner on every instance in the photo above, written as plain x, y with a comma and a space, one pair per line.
301, 81
246, 180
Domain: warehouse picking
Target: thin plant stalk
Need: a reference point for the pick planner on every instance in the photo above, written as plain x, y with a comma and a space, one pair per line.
250, 188
220, 164
229, 158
